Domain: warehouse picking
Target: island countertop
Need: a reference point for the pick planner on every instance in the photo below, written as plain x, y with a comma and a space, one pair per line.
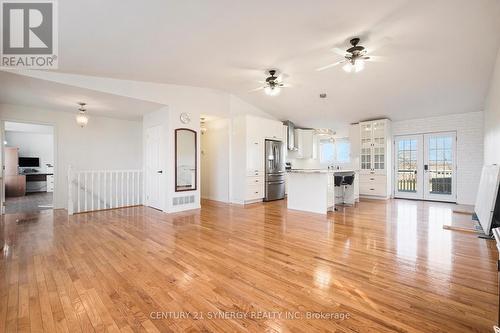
318, 171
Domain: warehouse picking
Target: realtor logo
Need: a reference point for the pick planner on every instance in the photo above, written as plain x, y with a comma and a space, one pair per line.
29, 34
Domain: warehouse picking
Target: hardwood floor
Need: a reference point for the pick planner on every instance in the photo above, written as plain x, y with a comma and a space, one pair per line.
379, 267
30, 203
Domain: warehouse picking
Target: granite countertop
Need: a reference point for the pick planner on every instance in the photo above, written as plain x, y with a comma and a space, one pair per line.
317, 171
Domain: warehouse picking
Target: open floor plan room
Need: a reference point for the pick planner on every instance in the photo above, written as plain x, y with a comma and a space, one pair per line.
250, 166
384, 266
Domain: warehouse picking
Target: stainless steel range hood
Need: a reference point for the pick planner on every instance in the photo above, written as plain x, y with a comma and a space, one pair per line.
290, 135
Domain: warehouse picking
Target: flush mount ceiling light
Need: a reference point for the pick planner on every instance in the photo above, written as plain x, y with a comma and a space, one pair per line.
354, 58
273, 83
81, 118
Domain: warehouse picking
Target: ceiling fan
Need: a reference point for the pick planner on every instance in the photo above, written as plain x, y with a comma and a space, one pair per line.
354, 58
272, 84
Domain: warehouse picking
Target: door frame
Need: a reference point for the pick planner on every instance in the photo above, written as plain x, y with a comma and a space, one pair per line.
424, 158
2, 158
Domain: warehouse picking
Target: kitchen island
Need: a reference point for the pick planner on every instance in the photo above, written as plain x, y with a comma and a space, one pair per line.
313, 190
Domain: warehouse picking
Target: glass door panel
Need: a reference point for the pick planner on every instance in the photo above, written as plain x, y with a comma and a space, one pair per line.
425, 166
439, 166
379, 133
408, 159
366, 159
378, 158
366, 135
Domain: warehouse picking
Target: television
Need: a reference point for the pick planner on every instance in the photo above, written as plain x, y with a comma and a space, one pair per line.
29, 162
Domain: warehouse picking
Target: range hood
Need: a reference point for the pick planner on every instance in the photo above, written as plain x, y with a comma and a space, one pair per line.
290, 134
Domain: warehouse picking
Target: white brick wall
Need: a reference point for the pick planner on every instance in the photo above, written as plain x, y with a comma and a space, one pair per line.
469, 128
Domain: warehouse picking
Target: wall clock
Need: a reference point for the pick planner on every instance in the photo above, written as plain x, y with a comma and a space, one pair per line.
185, 119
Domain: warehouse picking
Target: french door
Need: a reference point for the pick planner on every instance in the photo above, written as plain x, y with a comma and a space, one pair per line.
425, 166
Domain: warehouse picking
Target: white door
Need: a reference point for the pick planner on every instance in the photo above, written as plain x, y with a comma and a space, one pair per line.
408, 182
439, 166
153, 170
425, 166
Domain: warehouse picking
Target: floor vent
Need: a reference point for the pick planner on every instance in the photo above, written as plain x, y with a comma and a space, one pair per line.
183, 200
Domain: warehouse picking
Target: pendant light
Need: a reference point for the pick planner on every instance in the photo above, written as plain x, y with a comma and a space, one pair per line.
81, 118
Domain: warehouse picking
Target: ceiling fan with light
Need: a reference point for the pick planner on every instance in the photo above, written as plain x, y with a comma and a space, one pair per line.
273, 84
354, 58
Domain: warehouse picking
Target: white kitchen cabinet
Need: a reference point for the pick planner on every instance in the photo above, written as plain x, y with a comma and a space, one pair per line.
375, 158
248, 142
304, 141
255, 155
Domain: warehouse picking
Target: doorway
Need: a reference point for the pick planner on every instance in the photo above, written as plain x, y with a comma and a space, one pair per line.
28, 167
425, 166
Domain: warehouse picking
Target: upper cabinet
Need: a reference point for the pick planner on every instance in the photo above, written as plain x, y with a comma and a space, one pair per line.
304, 142
375, 158
374, 146
262, 128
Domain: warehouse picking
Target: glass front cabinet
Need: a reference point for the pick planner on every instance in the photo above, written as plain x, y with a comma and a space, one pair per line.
375, 158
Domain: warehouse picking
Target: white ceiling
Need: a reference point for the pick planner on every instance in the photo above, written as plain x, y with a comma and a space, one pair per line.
23, 90
438, 54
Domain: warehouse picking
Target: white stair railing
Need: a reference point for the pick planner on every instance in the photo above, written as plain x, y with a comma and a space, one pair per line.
91, 190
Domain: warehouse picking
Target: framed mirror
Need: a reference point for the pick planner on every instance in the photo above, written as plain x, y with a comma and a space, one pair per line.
185, 160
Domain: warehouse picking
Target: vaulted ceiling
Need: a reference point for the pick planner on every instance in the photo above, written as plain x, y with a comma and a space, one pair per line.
437, 55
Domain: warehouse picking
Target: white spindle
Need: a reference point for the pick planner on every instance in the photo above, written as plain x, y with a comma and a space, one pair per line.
92, 189
128, 189
121, 189
71, 207
116, 189
99, 194
78, 193
86, 192
133, 188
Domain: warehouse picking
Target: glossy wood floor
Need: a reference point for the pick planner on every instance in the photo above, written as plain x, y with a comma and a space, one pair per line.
379, 267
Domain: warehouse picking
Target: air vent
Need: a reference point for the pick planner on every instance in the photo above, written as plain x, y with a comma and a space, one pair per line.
183, 200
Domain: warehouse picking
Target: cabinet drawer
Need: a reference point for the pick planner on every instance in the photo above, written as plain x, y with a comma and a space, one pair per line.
253, 173
255, 180
372, 189
372, 179
255, 192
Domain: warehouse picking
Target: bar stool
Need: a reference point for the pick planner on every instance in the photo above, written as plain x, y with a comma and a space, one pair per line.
346, 181
337, 182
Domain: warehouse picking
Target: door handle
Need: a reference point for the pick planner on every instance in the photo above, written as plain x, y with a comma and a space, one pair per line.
426, 167
159, 171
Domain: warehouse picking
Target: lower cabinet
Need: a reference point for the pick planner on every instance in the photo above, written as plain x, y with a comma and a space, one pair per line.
373, 185
50, 183
254, 186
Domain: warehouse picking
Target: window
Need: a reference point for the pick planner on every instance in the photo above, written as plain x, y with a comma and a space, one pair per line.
338, 151
343, 147
326, 151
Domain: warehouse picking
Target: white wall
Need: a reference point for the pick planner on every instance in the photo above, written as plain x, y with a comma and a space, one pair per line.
492, 119
469, 128
179, 99
105, 143
169, 120
215, 160
39, 145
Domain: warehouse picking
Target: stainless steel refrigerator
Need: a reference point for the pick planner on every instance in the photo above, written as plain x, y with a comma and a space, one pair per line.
275, 170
